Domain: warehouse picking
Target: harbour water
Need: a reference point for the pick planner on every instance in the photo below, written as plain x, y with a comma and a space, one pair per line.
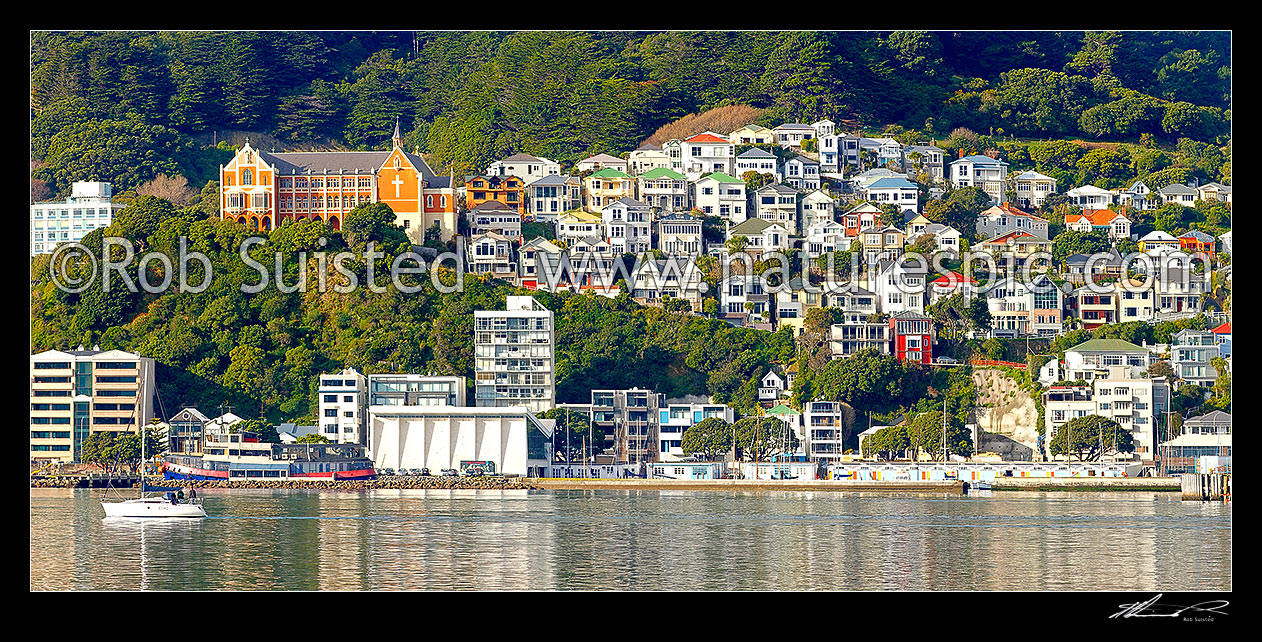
637, 540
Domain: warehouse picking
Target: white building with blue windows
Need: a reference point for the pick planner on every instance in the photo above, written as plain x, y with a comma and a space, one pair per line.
88, 208
681, 414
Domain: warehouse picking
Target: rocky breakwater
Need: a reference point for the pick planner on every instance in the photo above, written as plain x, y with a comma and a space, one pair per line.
388, 482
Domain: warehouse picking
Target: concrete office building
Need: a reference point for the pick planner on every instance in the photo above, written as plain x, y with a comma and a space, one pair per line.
513, 354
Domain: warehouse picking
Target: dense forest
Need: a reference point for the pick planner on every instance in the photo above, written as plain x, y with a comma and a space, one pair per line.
127, 107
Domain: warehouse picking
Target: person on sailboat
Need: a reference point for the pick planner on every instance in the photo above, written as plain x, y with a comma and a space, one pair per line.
179, 496
192, 494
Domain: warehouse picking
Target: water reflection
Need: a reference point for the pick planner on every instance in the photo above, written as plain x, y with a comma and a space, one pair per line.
417, 539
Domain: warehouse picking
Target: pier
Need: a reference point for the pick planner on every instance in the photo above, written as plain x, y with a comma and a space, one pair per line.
1214, 487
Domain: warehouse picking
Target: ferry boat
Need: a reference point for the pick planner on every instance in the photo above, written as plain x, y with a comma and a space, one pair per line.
243, 456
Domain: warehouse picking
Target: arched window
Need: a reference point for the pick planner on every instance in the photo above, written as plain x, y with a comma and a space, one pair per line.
247, 177
397, 163
443, 200
429, 202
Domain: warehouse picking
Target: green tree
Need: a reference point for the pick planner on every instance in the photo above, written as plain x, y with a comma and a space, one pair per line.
313, 438
710, 438
1089, 437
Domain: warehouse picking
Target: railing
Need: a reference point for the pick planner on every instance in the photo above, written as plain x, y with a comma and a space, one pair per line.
989, 362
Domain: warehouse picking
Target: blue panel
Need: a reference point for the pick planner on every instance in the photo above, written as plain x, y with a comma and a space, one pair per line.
665, 416
696, 416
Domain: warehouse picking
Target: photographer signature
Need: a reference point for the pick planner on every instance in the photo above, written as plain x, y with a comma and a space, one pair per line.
1152, 609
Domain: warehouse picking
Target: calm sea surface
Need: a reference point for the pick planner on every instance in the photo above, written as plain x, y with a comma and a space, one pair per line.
647, 540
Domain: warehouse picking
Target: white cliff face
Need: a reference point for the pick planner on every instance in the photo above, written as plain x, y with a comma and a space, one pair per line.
1006, 417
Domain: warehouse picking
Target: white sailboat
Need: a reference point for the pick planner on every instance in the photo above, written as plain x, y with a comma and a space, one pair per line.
155, 505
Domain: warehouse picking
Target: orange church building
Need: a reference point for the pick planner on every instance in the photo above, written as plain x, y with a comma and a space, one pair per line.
263, 190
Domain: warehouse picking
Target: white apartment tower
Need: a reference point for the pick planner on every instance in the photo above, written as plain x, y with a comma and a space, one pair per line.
343, 403
88, 208
514, 358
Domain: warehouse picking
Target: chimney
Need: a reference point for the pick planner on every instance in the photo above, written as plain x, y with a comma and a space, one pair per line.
961, 152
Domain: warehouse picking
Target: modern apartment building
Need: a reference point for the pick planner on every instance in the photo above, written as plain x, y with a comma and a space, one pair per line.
75, 393
1137, 405
1190, 355
825, 430
343, 406
88, 208
631, 422
513, 354
678, 415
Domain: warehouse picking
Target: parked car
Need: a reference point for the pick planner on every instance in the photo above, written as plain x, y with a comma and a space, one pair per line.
385, 471
425, 472
948, 360
450, 472
474, 471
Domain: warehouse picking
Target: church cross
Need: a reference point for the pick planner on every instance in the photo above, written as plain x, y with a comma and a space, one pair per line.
398, 180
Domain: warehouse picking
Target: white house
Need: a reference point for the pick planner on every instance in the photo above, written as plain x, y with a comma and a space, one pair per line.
494, 216
1214, 192
551, 195
893, 191
802, 173
491, 253
763, 236
678, 278
886, 150
707, 153
664, 189
900, 286
579, 224
752, 135
1179, 194
1135, 196
745, 300
777, 204
602, 161
1004, 218
824, 128
830, 155
1091, 359
826, 235
529, 257
981, 171
1090, 198
818, 206
757, 160
679, 234
1033, 188
648, 157
720, 194
792, 134
524, 166
628, 225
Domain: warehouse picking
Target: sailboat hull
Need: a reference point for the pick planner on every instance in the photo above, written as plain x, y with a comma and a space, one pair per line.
152, 507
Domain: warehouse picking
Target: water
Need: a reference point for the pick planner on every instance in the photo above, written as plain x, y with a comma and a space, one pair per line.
645, 540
